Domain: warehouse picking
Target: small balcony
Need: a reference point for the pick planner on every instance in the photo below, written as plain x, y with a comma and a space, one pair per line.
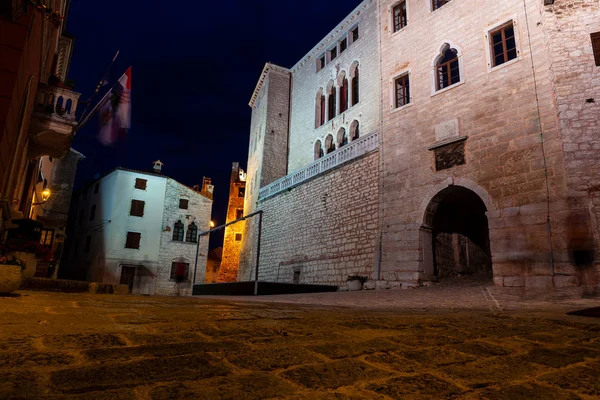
52, 121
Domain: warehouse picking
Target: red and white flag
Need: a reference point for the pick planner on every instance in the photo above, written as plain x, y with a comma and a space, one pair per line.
115, 112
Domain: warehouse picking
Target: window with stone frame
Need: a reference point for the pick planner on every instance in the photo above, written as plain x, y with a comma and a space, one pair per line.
329, 144
332, 53
332, 103
140, 183
447, 68
344, 95
239, 213
354, 130
343, 45
321, 63
355, 87
503, 44
596, 46
133, 240
401, 91
191, 235
319, 150
183, 204
354, 34
137, 208
175, 265
178, 231
435, 4
399, 16
241, 191
342, 138
238, 237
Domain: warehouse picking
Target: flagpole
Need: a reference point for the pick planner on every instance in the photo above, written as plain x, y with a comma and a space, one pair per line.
102, 80
96, 107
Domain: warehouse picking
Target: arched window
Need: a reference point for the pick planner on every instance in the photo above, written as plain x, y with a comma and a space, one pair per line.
319, 109
343, 93
329, 144
447, 68
342, 138
332, 103
354, 131
192, 233
59, 105
355, 84
318, 150
69, 106
178, 231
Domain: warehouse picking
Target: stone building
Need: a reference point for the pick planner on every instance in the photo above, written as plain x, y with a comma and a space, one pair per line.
476, 140
37, 120
232, 240
136, 228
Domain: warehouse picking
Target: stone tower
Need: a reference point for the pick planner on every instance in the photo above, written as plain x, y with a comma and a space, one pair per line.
232, 242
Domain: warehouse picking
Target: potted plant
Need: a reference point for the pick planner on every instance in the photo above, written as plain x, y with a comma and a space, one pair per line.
355, 282
11, 269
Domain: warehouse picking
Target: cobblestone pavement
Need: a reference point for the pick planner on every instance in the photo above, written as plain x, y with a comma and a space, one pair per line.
461, 343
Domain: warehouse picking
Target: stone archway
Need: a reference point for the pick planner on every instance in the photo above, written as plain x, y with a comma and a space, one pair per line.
455, 234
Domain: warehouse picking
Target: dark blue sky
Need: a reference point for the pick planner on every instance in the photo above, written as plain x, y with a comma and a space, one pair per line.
194, 68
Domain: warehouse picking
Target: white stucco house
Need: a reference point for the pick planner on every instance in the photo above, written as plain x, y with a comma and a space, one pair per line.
138, 228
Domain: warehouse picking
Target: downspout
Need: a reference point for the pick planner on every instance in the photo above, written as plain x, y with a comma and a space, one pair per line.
381, 130
539, 117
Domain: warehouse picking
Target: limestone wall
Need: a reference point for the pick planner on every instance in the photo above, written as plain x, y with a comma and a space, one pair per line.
325, 229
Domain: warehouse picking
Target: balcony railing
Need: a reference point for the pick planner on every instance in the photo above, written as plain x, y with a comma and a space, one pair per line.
354, 149
57, 101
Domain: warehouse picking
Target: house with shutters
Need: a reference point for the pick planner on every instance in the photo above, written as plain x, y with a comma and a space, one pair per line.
135, 228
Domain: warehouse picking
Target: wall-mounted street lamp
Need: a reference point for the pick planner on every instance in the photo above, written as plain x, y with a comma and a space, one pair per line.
45, 196
212, 224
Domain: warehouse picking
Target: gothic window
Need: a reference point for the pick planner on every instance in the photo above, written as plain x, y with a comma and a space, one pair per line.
342, 138
319, 109
504, 46
178, 231
399, 15
596, 46
192, 233
318, 150
332, 102
447, 68
435, 4
402, 91
344, 94
354, 130
329, 144
355, 85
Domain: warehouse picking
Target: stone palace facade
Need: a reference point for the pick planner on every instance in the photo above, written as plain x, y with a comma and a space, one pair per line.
424, 139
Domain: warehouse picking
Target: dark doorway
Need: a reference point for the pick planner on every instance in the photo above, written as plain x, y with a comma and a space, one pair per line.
460, 243
127, 277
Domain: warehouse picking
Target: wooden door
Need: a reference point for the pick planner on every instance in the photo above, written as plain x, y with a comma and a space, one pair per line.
127, 277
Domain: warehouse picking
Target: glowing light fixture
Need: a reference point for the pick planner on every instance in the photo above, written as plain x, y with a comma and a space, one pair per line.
46, 194
212, 224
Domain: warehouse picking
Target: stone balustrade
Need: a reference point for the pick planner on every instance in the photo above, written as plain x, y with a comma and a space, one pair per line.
57, 101
354, 149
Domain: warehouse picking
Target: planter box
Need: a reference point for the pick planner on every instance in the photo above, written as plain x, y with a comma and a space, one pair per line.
10, 278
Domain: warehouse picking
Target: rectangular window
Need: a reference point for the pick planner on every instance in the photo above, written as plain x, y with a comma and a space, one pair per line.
399, 15
183, 204
238, 237
239, 213
332, 53
438, 3
354, 34
93, 213
133, 240
596, 46
96, 188
321, 63
504, 46
296, 278
241, 192
137, 208
179, 269
88, 244
46, 237
402, 90
140, 183
343, 45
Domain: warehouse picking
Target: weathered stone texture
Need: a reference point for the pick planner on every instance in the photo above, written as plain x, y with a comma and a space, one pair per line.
325, 229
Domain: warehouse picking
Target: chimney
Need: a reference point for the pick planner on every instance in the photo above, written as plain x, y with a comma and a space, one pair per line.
207, 187
157, 166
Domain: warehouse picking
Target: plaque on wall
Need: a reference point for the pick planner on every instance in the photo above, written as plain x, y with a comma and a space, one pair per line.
449, 155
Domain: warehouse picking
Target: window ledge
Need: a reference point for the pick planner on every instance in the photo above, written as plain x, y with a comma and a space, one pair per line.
506, 64
448, 141
444, 90
394, 110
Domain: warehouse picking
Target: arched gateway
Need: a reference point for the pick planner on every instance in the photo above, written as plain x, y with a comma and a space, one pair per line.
455, 233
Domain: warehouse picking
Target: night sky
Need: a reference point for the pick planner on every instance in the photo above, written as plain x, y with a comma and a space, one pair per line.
194, 68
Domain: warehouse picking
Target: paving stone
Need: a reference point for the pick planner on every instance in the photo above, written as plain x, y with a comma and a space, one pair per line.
394, 362
436, 357
479, 348
83, 341
21, 343
426, 340
142, 339
121, 394
486, 372
334, 374
527, 391
254, 386
34, 359
354, 348
582, 379
112, 376
267, 359
162, 350
559, 357
416, 387
23, 384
